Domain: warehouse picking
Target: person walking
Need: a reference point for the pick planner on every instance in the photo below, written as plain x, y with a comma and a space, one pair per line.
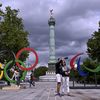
32, 82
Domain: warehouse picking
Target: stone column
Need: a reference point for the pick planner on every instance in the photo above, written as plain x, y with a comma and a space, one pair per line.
52, 58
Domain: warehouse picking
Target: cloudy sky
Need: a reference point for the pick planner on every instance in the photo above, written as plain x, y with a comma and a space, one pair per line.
76, 20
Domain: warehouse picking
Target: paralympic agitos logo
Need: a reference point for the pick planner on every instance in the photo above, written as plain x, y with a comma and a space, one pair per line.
19, 64
80, 71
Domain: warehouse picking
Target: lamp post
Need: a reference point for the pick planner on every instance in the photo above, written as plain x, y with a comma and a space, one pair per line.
0, 9
0, 4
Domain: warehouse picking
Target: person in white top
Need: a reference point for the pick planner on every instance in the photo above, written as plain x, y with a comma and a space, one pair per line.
65, 77
16, 76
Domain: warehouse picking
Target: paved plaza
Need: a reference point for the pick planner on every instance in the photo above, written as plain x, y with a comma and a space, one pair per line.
46, 91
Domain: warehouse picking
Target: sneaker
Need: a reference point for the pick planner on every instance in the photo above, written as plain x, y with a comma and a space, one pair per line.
19, 86
58, 94
68, 94
62, 93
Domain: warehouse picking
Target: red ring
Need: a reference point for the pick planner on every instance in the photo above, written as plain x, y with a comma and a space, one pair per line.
73, 60
33, 65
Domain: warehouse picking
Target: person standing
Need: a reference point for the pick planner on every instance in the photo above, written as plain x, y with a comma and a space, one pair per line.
65, 77
17, 78
58, 76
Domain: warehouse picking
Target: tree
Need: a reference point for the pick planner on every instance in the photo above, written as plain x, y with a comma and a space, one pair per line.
40, 71
12, 33
93, 45
92, 65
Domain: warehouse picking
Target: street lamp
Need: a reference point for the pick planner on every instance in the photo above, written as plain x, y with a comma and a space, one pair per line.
0, 9
0, 4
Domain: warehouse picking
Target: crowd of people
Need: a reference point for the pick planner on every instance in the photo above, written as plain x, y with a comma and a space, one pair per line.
62, 76
16, 76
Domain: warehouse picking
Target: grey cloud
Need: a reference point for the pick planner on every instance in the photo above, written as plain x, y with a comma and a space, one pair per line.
75, 22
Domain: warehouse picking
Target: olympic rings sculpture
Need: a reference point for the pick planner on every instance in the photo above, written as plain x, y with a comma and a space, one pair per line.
15, 59
80, 71
33, 65
1, 75
21, 65
2, 55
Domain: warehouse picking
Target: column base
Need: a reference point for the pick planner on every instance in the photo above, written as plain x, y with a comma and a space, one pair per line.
51, 67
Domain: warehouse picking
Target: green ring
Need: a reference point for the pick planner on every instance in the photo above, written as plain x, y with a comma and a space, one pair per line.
97, 69
7, 77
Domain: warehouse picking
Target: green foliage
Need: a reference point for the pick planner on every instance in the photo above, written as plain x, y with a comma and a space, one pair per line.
91, 76
90, 63
40, 71
93, 49
93, 45
12, 34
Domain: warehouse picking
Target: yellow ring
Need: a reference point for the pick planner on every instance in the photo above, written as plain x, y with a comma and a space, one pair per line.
1, 74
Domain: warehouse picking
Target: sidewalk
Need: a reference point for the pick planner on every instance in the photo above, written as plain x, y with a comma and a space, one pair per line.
46, 91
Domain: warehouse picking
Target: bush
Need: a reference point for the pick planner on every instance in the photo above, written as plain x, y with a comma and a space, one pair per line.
40, 71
